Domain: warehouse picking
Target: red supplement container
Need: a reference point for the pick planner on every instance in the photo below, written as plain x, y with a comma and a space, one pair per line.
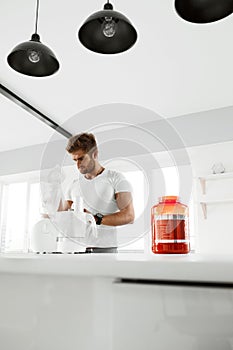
170, 226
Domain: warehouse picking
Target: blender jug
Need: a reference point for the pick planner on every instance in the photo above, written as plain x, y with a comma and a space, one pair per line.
170, 226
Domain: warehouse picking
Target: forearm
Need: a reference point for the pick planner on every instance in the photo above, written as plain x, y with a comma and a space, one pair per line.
117, 219
64, 205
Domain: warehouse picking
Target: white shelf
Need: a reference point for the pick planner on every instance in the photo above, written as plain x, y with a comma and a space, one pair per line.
217, 201
211, 177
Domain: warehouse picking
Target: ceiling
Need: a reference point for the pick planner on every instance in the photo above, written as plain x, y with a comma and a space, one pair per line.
175, 68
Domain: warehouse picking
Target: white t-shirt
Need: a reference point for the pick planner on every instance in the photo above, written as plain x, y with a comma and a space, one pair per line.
98, 196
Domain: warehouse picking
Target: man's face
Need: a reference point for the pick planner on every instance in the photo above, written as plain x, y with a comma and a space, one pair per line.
85, 161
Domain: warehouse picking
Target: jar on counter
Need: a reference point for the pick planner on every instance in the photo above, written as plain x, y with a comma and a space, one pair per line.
170, 226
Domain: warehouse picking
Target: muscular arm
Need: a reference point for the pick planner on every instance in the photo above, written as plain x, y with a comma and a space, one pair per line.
125, 215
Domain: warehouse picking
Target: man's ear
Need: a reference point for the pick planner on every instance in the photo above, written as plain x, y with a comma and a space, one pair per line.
95, 154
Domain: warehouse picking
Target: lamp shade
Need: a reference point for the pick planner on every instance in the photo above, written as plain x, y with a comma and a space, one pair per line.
92, 37
33, 58
203, 11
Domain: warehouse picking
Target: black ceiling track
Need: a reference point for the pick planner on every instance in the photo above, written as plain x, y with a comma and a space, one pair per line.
35, 112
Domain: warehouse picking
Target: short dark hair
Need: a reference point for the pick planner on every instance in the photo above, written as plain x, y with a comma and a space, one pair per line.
84, 141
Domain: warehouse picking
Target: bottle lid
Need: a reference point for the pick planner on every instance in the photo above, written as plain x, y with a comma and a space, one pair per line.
169, 199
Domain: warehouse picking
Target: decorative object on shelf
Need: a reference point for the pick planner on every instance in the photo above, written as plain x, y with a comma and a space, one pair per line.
32, 57
107, 32
218, 168
203, 11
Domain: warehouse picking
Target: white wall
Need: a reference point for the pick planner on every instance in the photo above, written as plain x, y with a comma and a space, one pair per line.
215, 233
144, 132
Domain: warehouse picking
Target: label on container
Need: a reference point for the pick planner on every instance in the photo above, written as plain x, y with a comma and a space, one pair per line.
171, 217
170, 229
169, 241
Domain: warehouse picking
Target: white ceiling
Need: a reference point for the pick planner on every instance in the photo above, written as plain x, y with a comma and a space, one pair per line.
175, 68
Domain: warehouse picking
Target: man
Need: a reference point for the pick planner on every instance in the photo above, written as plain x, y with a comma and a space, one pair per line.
106, 193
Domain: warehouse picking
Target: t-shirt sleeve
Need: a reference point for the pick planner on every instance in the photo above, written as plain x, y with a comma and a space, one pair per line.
68, 194
72, 191
121, 184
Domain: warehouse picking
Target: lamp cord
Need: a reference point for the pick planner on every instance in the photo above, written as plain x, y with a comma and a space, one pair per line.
37, 11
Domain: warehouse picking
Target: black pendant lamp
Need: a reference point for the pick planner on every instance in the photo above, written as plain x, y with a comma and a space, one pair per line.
107, 32
32, 57
203, 11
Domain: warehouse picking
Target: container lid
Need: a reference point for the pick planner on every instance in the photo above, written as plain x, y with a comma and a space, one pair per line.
169, 199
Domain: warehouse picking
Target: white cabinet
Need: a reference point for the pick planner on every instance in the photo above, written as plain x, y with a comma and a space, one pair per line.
54, 312
213, 177
178, 317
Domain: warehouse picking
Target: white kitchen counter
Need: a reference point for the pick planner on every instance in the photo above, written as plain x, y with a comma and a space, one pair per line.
116, 301
191, 267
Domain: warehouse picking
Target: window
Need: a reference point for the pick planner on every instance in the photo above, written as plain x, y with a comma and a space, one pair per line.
171, 179
136, 178
13, 216
20, 209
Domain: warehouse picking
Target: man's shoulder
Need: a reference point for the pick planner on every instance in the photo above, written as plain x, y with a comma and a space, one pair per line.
113, 175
